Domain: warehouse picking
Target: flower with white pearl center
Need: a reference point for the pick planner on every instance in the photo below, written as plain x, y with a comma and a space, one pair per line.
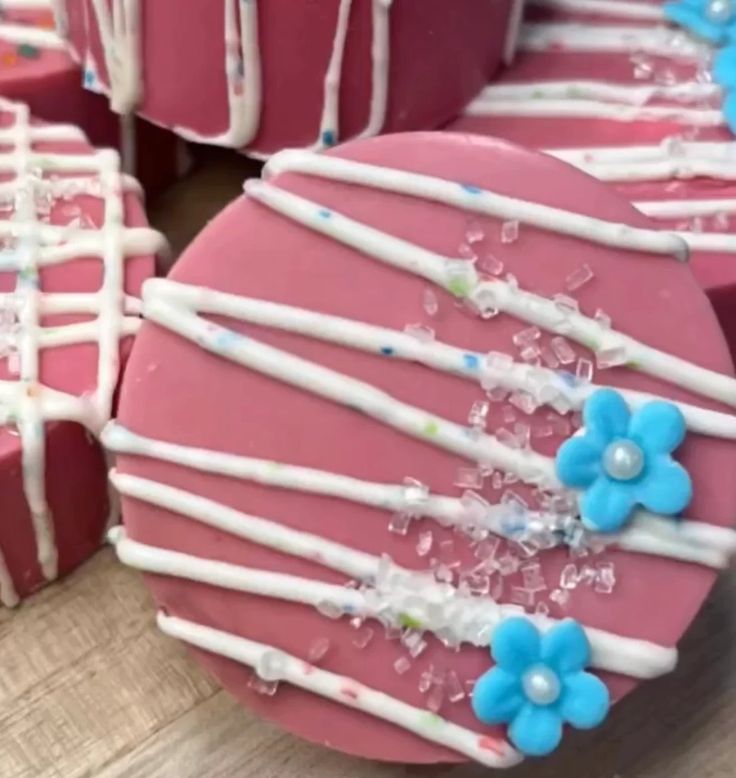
719, 10
621, 460
539, 683
712, 20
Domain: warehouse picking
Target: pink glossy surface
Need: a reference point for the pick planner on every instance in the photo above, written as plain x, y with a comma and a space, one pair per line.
714, 270
75, 472
178, 393
439, 60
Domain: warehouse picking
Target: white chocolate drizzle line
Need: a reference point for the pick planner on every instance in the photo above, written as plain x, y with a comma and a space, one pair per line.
120, 38
27, 5
511, 43
577, 37
624, 9
26, 402
489, 751
668, 160
468, 197
35, 36
599, 100
685, 540
676, 209
350, 392
544, 384
470, 619
461, 278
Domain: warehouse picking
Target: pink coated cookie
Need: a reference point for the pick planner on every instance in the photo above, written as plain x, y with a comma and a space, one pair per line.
331, 482
263, 75
75, 248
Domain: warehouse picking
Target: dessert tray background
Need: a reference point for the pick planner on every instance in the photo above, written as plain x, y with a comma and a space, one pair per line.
89, 687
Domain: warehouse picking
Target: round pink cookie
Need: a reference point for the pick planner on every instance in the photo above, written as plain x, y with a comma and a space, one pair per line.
176, 392
260, 83
70, 485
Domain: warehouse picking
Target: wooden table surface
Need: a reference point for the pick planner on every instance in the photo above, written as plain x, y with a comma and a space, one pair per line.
89, 688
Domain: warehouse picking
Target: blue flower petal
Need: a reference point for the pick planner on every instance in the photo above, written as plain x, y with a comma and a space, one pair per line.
659, 427
724, 67
693, 18
497, 697
536, 731
606, 415
667, 487
565, 648
578, 461
515, 645
606, 506
729, 111
585, 701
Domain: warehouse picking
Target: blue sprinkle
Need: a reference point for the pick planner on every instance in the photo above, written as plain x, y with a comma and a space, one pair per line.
471, 361
470, 189
568, 378
226, 338
325, 213
387, 351
328, 138
89, 78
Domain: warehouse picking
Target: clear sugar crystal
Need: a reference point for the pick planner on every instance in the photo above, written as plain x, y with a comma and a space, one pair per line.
402, 665
453, 687
318, 649
430, 304
562, 350
424, 543
421, 332
584, 370
491, 265
578, 278
509, 231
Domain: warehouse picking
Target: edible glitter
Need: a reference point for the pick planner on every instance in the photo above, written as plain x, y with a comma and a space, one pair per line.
424, 543
318, 650
491, 265
509, 231
402, 665
430, 304
584, 370
562, 350
469, 478
363, 637
453, 687
421, 332
569, 577
474, 232
578, 278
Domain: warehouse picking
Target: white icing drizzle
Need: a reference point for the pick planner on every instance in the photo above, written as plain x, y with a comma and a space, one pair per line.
624, 9
465, 618
380, 73
462, 279
599, 100
470, 198
579, 37
27, 5
646, 533
674, 209
672, 159
350, 392
511, 43
26, 402
488, 751
546, 385
35, 36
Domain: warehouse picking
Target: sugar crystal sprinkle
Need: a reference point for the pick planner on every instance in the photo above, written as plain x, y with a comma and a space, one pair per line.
430, 303
509, 231
424, 543
578, 278
402, 665
318, 649
562, 350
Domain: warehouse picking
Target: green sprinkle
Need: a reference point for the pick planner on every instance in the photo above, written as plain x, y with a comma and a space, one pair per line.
28, 51
409, 622
459, 286
633, 365
432, 720
431, 428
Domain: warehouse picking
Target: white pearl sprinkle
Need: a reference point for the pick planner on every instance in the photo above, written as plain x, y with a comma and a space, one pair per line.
719, 10
541, 685
623, 460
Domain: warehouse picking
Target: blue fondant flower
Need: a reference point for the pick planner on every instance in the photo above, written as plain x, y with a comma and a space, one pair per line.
620, 460
713, 20
539, 683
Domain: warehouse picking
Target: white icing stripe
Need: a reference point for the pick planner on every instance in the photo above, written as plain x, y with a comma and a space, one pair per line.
636, 95
346, 691
468, 197
578, 37
624, 9
27, 5
511, 42
716, 242
473, 365
26, 402
662, 162
674, 209
8, 596
461, 278
380, 50
34, 36
350, 392
329, 126
598, 109
686, 540
629, 656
